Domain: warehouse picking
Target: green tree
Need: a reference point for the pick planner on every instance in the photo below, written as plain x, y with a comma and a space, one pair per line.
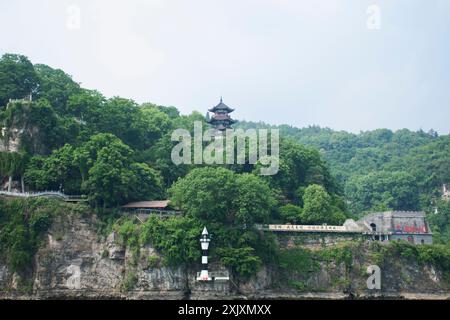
300, 166
383, 191
176, 237
159, 156
291, 213
56, 87
150, 125
253, 200
146, 183
18, 78
87, 105
242, 261
55, 172
440, 222
110, 176
218, 194
318, 207
35, 175
86, 155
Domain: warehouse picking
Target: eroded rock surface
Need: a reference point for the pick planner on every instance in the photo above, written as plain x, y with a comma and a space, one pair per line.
75, 263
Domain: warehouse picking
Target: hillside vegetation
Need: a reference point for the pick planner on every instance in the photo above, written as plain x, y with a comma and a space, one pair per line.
383, 170
115, 150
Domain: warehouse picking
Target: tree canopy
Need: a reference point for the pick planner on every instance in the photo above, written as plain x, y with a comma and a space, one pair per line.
18, 78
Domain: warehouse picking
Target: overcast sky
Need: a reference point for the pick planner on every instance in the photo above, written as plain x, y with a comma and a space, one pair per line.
297, 62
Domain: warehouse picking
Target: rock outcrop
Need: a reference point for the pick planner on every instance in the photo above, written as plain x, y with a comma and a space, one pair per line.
75, 263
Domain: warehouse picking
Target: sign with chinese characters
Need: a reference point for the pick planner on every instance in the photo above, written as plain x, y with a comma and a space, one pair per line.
306, 228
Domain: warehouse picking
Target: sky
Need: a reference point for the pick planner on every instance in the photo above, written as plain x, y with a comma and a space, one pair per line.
351, 65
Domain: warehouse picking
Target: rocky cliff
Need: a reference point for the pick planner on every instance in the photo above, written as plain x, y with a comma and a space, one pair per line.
75, 262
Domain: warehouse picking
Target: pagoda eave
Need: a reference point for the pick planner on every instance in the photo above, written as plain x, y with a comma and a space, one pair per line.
215, 121
215, 109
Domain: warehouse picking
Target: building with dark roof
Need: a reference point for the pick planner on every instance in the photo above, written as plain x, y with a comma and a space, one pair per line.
142, 209
220, 119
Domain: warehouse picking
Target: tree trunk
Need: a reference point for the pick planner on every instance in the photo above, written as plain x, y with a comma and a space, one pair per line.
22, 183
10, 183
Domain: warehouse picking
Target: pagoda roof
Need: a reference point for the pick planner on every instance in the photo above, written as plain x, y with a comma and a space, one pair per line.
221, 119
161, 204
222, 107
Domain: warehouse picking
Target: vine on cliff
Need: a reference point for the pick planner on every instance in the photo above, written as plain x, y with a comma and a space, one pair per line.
23, 223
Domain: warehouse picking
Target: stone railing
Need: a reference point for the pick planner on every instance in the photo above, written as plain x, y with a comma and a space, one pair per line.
57, 194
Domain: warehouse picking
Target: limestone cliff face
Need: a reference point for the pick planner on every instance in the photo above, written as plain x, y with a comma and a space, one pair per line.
21, 126
10, 136
74, 263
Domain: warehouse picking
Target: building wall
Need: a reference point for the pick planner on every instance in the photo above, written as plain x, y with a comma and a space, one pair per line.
409, 224
313, 241
413, 238
382, 221
406, 225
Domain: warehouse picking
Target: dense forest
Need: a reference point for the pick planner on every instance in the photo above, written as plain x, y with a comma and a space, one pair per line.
383, 170
114, 150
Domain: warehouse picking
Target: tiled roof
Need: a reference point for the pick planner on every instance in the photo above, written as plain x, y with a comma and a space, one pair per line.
147, 204
221, 106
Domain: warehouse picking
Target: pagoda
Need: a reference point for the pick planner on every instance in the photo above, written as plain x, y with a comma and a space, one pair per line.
221, 119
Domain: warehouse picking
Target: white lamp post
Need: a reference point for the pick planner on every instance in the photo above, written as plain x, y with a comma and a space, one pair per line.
204, 242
